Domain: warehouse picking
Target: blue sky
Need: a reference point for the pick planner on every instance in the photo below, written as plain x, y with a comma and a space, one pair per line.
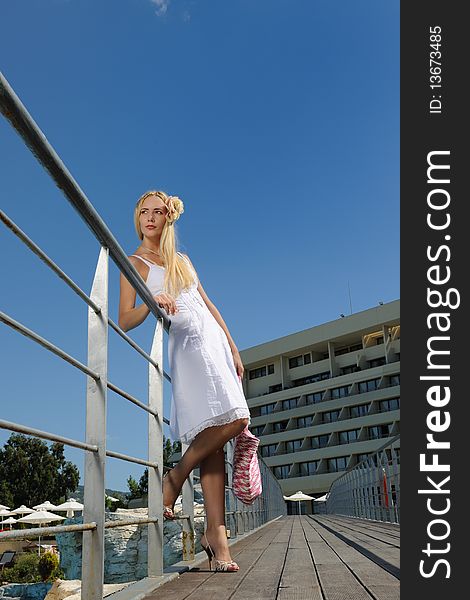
275, 121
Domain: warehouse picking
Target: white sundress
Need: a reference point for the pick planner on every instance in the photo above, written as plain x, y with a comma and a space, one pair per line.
206, 389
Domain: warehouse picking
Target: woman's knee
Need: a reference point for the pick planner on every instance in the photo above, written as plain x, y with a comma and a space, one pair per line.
243, 423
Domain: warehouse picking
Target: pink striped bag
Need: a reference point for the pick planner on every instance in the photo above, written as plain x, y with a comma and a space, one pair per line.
246, 477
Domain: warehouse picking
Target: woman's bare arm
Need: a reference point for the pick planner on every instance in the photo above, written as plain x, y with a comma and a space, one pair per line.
129, 316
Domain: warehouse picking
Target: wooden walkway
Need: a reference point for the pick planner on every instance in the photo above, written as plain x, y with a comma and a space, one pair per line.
301, 557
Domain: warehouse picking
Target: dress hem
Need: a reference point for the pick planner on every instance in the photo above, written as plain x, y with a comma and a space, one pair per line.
227, 417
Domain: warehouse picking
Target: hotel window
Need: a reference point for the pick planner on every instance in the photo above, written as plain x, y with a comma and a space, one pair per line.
305, 421
268, 450
379, 340
340, 392
282, 471
368, 386
376, 362
295, 361
298, 361
267, 409
397, 452
280, 425
379, 431
293, 445
314, 398
270, 369
320, 441
392, 404
257, 429
395, 379
312, 378
275, 388
349, 369
359, 411
330, 416
290, 403
347, 437
346, 349
337, 464
260, 372
308, 468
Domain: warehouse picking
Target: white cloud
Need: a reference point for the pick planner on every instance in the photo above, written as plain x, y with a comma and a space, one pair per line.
161, 6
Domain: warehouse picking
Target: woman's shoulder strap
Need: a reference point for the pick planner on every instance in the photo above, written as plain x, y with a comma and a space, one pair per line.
147, 262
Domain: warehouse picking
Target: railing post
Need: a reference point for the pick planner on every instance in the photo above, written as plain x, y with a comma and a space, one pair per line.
230, 496
155, 454
187, 507
95, 462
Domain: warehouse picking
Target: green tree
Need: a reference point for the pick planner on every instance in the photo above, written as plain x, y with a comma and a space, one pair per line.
137, 490
133, 488
31, 472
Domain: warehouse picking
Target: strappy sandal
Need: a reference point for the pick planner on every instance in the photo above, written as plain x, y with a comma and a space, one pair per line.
220, 565
168, 510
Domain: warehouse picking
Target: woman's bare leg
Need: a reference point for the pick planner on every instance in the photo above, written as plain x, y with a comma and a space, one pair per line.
212, 470
205, 443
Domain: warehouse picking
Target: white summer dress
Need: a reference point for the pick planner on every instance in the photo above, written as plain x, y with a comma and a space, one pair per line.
206, 389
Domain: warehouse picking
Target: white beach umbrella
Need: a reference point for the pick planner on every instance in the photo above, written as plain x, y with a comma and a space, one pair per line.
45, 506
9, 521
321, 498
40, 517
4, 512
70, 506
298, 497
22, 510
3, 506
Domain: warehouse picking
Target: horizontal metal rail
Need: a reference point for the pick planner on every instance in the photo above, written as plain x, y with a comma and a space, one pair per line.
126, 522
269, 506
131, 342
70, 359
16, 113
35, 532
49, 262
47, 436
46, 344
139, 461
127, 396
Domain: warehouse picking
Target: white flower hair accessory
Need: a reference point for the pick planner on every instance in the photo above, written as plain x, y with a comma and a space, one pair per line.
175, 209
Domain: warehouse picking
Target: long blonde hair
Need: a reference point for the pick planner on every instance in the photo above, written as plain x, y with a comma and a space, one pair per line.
178, 273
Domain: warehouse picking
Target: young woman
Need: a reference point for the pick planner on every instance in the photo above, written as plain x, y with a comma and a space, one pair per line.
208, 406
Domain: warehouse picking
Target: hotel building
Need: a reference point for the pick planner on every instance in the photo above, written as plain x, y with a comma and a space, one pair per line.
324, 398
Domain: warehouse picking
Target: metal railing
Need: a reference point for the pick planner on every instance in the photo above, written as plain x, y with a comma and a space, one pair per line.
371, 489
240, 518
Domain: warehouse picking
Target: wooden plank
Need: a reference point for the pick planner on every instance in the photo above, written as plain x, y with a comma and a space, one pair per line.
392, 529
299, 579
199, 582
293, 558
376, 549
366, 529
374, 579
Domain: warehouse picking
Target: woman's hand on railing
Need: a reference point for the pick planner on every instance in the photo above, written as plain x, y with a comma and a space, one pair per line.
238, 362
167, 302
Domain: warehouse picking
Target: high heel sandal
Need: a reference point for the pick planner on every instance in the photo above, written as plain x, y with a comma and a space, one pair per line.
168, 510
220, 565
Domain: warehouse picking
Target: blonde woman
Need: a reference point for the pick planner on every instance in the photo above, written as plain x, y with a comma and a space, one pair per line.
208, 406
